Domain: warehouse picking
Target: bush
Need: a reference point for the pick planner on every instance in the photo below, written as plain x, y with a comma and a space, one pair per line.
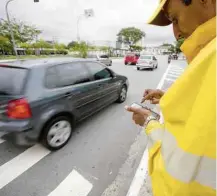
47, 52
30, 52
62, 51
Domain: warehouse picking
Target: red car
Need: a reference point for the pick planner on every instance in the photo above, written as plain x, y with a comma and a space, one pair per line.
131, 59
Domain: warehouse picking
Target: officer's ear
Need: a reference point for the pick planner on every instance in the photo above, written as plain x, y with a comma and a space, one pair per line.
187, 2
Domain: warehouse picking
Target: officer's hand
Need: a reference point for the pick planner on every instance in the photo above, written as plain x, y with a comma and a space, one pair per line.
152, 95
139, 115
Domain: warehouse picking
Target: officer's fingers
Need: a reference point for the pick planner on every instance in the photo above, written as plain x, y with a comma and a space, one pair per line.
155, 101
140, 111
131, 109
147, 91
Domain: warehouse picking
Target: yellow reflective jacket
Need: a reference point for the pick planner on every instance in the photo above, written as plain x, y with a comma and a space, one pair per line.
182, 151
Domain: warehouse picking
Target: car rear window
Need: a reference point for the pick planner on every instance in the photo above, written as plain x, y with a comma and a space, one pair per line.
146, 57
12, 80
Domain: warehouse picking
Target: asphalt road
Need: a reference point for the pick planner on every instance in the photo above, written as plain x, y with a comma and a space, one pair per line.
100, 159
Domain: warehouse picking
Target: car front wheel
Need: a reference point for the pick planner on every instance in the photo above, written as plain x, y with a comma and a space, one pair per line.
57, 133
122, 94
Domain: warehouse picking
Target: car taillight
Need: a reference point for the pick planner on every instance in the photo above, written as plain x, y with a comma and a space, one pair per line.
19, 109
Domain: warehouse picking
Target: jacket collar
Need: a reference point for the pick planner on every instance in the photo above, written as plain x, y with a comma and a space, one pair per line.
199, 39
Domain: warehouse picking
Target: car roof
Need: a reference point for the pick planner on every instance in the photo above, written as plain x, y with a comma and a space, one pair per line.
43, 62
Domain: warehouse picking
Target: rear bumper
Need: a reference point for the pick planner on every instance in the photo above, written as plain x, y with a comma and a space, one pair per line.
130, 62
144, 66
19, 132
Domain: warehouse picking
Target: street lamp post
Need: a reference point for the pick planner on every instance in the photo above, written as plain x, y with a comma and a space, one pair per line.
78, 21
87, 13
10, 27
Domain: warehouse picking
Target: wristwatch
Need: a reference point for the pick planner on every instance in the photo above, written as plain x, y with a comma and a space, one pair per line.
148, 119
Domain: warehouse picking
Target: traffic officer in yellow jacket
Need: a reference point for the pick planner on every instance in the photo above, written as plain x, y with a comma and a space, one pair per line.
182, 151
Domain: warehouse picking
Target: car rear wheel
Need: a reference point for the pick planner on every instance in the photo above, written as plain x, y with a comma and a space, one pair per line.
57, 133
126, 63
123, 94
138, 68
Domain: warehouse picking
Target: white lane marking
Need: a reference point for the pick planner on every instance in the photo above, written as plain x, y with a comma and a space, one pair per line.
140, 175
1, 140
73, 185
164, 76
18, 165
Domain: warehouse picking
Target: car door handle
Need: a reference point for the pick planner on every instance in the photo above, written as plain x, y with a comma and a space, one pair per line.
68, 95
100, 85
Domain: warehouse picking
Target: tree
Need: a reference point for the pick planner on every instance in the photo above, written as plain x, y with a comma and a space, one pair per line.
59, 46
178, 44
82, 48
136, 48
22, 32
130, 35
72, 44
42, 44
5, 45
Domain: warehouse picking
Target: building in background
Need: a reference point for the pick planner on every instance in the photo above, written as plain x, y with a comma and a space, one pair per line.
156, 50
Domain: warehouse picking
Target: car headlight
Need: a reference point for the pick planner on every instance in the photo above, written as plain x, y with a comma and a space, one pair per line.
150, 63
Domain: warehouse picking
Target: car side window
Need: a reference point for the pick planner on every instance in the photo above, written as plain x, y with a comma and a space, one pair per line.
98, 71
72, 73
51, 77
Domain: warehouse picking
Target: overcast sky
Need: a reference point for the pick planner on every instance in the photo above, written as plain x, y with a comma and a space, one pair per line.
57, 19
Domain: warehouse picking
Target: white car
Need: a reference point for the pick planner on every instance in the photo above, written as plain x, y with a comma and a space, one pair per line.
101, 58
147, 62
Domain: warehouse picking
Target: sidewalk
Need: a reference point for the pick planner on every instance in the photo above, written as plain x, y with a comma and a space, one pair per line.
175, 69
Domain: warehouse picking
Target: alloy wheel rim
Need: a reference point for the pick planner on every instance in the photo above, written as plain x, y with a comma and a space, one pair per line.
123, 94
59, 133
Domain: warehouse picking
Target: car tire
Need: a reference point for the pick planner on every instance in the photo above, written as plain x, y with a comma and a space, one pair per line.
125, 63
156, 66
122, 95
138, 68
50, 131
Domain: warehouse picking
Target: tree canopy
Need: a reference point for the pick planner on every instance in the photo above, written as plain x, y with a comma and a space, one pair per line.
130, 35
22, 32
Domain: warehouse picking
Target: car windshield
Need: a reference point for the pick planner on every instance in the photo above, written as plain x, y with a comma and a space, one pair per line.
146, 57
11, 80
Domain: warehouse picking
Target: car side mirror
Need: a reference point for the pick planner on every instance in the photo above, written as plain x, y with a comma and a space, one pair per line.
113, 74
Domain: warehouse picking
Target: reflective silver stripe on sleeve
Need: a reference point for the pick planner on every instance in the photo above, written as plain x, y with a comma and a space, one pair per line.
182, 165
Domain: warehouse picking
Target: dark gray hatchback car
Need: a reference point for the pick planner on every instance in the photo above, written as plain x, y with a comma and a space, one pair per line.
42, 100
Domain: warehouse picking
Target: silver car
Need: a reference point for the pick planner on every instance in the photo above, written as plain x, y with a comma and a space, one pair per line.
147, 62
101, 58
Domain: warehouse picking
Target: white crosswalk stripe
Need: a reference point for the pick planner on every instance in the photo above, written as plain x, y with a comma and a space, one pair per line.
74, 184
18, 165
1, 135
